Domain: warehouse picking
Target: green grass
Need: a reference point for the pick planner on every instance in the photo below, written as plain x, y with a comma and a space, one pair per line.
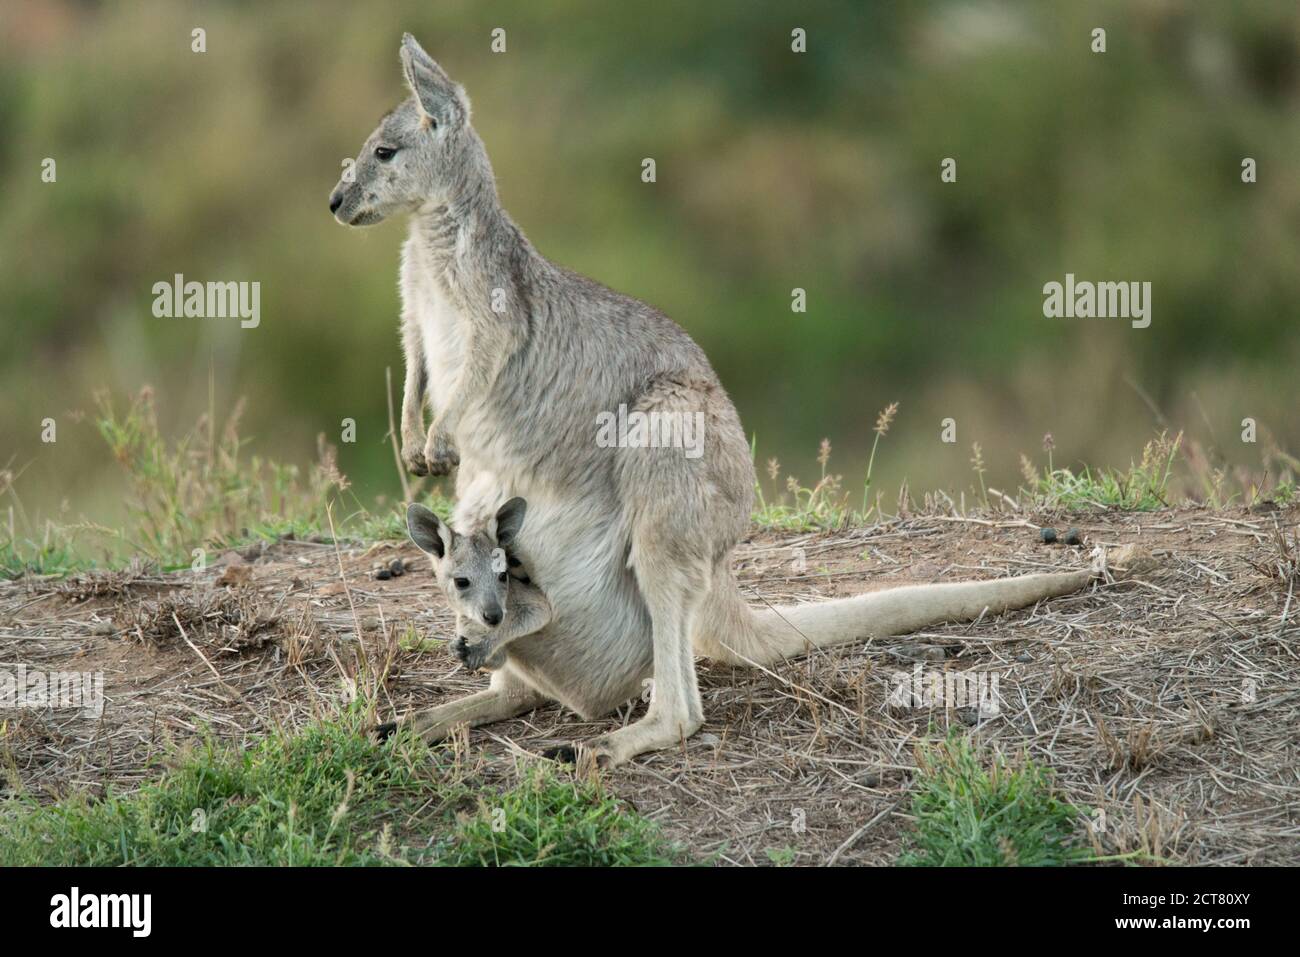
790, 506
800, 509
983, 812
199, 491
546, 821
326, 796
1143, 487
22, 556
782, 856
411, 639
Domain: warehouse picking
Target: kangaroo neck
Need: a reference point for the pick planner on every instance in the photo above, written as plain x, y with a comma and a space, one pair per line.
469, 244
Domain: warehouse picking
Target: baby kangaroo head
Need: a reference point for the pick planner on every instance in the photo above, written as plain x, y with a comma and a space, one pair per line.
471, 567
423, 152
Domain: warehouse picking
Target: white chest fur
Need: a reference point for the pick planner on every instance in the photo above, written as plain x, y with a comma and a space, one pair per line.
443, 331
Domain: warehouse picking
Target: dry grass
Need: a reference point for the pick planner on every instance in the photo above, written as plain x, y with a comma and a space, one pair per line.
1167, 708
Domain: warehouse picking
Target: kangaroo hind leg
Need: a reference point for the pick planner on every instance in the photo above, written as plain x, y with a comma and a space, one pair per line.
673, 589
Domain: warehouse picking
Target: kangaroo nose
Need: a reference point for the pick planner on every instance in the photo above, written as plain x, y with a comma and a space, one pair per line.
336, 201
493, 618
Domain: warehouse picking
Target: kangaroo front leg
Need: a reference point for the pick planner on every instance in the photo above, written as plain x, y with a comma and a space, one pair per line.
417, 380
672, 593
440, 456
504, 698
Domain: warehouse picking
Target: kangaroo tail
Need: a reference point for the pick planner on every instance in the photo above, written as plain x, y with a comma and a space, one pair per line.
730, 630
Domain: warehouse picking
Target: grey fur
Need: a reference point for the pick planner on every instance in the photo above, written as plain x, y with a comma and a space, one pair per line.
632, 546
494, 604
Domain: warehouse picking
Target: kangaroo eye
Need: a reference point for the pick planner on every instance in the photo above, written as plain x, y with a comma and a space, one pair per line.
384, 153
502, 577
462, 583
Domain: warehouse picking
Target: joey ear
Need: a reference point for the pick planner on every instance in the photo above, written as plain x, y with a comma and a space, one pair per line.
435, 92
430, 533
510, 519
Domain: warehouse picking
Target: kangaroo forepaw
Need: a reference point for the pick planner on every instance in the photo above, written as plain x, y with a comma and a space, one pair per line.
460, 648
439, 456
472, 656
413, 459
441, 464
383, 732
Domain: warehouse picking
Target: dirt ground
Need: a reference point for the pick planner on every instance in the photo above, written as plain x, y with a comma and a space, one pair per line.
1170, 703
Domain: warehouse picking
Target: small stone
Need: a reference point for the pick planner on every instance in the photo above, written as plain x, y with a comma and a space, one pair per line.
1024, 657
968, 716
709, 739
1072, 537
103, 628
1048, 535
869, 779
396, 567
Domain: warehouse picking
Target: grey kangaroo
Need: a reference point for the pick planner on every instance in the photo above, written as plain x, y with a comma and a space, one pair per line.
488, 588
519, 359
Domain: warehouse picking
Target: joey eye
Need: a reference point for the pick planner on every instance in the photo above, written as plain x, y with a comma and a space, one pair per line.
462, 583
384, 153
502, 577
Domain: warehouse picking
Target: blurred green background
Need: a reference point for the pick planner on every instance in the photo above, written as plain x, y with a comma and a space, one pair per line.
776, 170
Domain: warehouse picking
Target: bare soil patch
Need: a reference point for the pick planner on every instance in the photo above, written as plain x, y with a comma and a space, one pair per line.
1170, 705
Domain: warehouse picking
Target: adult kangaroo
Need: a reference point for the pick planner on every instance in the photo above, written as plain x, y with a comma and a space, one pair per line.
520, 360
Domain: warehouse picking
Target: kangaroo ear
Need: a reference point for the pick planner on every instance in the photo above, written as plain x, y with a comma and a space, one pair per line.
435, 92
510, 518
430, 533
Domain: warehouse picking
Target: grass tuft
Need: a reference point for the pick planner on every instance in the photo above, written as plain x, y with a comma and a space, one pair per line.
201, 491
1143, 487
53, 556
800, 509
551, 821
976, 813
